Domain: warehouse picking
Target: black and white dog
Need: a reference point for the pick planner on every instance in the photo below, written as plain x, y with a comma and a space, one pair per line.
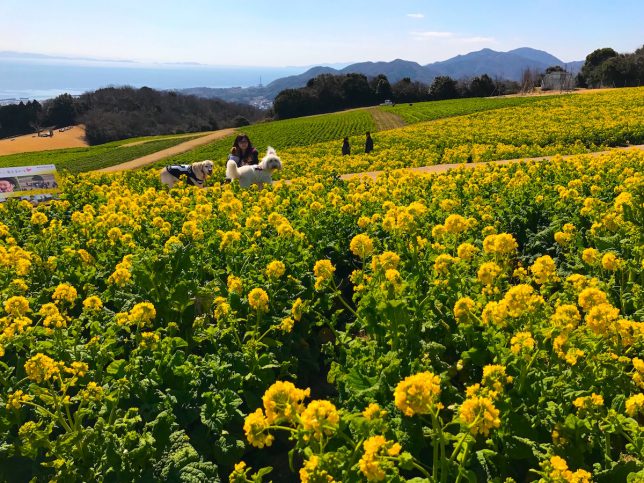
195, 173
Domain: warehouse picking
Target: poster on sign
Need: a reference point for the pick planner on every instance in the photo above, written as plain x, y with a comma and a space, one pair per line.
31, 183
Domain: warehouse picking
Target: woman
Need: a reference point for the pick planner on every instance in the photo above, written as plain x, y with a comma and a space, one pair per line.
243, 152
7, 185
346, 149
368, 145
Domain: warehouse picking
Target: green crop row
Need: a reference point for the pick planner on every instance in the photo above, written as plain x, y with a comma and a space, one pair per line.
77, 160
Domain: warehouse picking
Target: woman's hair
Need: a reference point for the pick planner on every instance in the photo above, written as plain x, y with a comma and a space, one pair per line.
239, 138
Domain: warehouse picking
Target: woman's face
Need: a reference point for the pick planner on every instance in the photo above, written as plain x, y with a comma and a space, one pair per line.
5, 186
243, 143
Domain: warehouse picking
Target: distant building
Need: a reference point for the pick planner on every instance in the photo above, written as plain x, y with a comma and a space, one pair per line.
558, 81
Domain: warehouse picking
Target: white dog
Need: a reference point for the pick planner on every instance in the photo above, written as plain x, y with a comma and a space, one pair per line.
255, 174
195, 173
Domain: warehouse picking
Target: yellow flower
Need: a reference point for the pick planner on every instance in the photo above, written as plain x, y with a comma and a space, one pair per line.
635, 404
544, 270
311, 472
361, 246
65, 292
438, 231
92, 392
494, 377
93, 303
591, 256
321, 417
559, 472
323, 271
286, 325
488, 272
373, 411
385, 261
443, 263
16, 306
611, 262
15, 400
466, 251
234, 284
297, 310
142, 314
256, 429
501, 244
222, 308
522, 341
456, 224
228, 239
191, 230
173, 243
41, 368
20, 285
38, 218
120, 277
495, 313
77, 369
463, 308
521, 299
590, 297
600, 318
418, 394
373, 463
149, 340
566, 316
238, 475
258, 300
480, 415
275, 269
588, 403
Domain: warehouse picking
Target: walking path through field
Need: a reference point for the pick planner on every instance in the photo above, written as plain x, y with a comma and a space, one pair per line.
385, 120
174, 150
441, 168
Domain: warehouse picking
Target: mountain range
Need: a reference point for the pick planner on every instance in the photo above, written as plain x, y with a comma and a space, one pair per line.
504, 65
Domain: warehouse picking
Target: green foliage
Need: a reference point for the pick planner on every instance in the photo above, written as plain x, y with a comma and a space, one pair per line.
78, 160
429, 111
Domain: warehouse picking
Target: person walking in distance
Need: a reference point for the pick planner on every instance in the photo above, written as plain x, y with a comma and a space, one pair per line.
368, 145
346, 149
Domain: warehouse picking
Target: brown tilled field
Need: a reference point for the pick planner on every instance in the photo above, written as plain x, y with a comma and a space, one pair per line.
72, 138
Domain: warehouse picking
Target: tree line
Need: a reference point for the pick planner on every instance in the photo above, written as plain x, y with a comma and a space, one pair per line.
606, 68
329, 92
115, 113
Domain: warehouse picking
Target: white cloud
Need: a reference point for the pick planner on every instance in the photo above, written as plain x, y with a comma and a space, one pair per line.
432, 35
416, 15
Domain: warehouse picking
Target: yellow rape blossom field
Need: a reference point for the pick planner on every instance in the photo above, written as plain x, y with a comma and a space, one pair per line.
479, 325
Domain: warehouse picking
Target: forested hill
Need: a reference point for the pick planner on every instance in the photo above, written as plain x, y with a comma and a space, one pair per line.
112, 114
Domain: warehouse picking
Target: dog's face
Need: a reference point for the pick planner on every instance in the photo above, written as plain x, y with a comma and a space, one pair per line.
272, 160
204, 168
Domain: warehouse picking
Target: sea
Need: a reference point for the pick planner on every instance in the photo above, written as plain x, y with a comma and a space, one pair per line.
40, 79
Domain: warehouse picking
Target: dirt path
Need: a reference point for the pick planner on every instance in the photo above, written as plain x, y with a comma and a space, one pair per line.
178, 136
385, 120
29, 143
441, 168
174, 150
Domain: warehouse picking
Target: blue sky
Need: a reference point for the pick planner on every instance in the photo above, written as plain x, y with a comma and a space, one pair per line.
287, 33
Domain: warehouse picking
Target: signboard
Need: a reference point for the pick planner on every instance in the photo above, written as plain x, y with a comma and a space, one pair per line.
32, 183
